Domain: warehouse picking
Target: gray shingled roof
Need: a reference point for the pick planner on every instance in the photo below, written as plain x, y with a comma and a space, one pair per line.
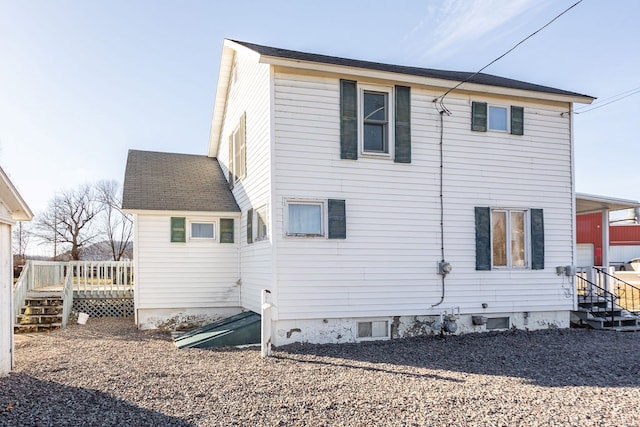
175, 182
456, 76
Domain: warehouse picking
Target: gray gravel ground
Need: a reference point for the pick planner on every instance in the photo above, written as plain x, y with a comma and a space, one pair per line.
107, 373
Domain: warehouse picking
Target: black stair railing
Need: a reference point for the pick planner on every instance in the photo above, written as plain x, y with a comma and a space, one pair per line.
594, 295
628, 294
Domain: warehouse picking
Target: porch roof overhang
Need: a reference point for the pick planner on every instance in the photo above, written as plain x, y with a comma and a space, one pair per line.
12, 199
589, 203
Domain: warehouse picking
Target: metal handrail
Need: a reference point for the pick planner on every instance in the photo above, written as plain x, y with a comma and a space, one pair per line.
628, 295
592, 293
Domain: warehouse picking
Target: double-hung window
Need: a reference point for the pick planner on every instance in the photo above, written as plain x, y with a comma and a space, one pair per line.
509, 238
238, 153
375, 121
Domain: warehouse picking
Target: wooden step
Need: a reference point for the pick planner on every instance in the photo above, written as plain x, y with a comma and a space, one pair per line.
25, 329
39, 319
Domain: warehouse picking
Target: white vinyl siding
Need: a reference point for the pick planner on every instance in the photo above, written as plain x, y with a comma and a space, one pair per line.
249, 94
6, 312
197, 274
387, 265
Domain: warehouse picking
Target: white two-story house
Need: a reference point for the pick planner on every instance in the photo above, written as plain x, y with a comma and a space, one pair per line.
368, 204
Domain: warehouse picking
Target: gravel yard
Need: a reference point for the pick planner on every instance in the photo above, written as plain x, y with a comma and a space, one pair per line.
109, 373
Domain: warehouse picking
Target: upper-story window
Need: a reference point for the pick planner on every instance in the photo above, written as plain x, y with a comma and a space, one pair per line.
497, 118
238, 153
376, 113
375, 121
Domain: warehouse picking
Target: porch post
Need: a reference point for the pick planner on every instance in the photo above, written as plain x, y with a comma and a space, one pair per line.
605, 248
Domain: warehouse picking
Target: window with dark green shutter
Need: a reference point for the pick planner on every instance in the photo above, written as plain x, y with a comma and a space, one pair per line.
375, 121
403, 125
517, 120
226, 230
479, 116
250, 226
494, 118
504, 241
337, 219
178, 230
348, 120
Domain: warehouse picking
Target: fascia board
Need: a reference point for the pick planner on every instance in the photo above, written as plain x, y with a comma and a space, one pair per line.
423, 81
19, 209
142, 212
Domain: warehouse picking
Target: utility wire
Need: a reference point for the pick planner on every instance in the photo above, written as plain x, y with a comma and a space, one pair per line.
610, 100
441, 97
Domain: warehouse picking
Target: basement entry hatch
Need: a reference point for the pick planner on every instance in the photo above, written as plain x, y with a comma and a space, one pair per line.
240, 329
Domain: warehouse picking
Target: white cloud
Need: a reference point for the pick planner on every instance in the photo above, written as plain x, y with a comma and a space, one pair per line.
456, 23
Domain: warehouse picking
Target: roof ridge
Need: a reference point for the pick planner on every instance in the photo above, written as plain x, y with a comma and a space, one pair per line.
458, 76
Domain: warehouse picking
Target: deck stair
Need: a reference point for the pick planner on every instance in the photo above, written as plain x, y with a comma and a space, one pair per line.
41, 312
241, 329
600, 309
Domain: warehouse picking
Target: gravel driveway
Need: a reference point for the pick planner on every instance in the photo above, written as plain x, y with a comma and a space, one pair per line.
108, 373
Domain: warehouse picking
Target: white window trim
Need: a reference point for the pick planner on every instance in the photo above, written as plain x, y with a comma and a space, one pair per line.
527, 240
508, 118
362, 88
190, 222
237, 134
323, 218
256, 237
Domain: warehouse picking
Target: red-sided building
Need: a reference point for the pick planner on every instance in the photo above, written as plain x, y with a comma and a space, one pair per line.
589, 239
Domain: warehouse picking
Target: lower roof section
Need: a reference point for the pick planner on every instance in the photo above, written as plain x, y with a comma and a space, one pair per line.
158, 181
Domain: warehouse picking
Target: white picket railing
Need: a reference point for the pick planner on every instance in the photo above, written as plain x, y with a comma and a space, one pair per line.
80, 279
102, 278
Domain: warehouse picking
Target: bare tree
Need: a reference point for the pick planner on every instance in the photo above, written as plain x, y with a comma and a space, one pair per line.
69, 220
21, 238
117, 225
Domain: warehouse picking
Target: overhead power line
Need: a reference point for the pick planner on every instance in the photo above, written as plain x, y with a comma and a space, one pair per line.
441, 97
609, 100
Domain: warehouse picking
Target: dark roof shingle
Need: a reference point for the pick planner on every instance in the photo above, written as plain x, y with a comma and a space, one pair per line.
456, 76
175, 182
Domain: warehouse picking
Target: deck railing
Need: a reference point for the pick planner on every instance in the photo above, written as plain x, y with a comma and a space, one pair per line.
79, 279
110, 279
23, 285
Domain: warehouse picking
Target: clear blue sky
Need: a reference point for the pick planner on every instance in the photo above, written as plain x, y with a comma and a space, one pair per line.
81, 82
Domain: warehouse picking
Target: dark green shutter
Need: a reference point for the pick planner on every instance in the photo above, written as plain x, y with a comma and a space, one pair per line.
537, 239
226, 230
250, 226
403, 125
483, 238
348, 120
337, 219
517, 120
178, 230
479, 116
